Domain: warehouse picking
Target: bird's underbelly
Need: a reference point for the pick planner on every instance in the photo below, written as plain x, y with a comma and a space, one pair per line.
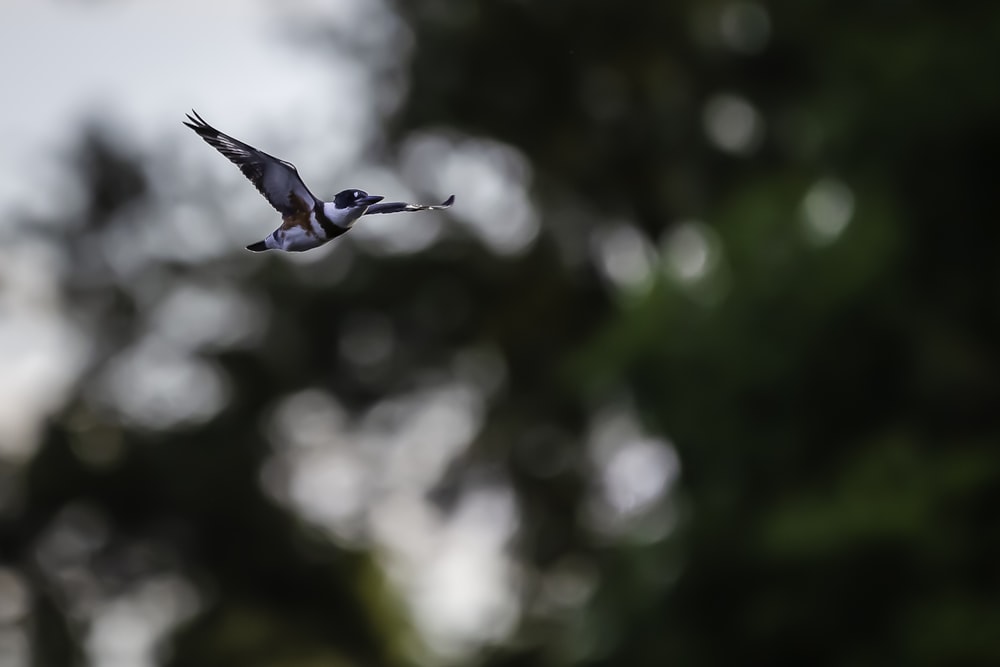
301, 232
297, 239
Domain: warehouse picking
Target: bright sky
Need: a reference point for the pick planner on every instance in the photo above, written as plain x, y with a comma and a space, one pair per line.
143, 65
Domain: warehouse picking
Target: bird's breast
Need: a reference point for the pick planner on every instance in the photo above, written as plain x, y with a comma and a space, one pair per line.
304, 231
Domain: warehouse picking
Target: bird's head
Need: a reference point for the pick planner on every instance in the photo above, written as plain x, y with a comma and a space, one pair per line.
355, 199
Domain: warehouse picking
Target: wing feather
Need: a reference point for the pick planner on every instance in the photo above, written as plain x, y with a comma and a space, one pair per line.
276, 179
399, 207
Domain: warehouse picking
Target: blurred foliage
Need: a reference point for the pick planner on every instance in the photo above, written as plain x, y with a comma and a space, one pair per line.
833, 401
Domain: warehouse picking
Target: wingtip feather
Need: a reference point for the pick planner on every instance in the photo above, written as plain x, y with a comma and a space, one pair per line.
196, 122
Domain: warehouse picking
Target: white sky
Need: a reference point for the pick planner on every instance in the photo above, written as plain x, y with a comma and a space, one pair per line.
144, 64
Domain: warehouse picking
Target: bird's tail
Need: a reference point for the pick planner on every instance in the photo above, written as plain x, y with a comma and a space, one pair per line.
259, 246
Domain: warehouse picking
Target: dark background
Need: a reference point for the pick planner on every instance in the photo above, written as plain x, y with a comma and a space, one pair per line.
831, 396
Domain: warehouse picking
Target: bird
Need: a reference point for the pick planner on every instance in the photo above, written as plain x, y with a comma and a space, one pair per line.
307, 222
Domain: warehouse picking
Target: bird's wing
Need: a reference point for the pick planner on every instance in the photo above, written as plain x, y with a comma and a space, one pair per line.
399, 207
276, 179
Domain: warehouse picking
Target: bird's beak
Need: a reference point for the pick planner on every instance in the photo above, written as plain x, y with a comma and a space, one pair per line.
370, 199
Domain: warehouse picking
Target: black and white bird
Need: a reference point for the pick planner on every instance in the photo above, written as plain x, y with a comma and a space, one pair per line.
306, 221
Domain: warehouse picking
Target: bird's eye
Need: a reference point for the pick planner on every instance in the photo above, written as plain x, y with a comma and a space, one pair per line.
357, 195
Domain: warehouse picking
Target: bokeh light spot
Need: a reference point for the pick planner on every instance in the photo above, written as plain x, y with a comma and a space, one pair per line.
13, 597
690, 251
14, 648
733, 124
127, 630
493, 178
156, 386
826, 210
624, 256
209, 316
634, 474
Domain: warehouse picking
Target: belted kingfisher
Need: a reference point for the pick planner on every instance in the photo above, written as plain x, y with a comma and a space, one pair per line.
306, 221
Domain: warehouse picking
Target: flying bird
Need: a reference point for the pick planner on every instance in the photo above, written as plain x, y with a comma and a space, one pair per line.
306, 221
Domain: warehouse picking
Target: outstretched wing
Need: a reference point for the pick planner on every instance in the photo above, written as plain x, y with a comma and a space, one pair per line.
399, 207
276, 179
